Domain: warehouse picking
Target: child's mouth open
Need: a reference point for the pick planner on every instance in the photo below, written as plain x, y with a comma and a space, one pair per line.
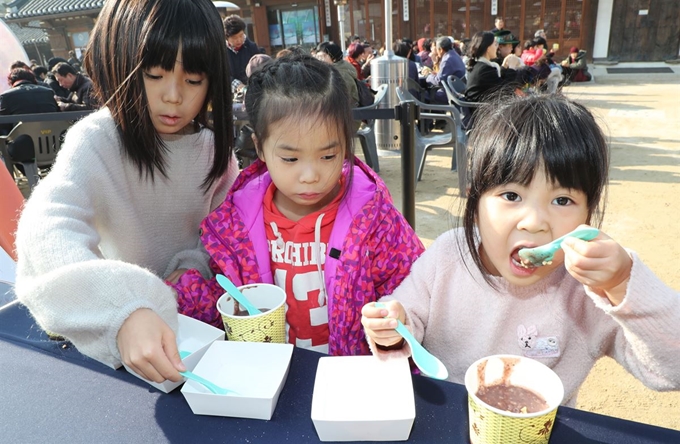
518, 266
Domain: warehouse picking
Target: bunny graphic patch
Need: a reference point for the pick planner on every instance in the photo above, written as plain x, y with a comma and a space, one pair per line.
534, 346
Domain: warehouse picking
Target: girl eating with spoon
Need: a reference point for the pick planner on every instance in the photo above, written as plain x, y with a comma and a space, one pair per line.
539, 167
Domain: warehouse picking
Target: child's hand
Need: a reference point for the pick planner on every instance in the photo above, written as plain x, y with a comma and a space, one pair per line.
175, 275
148, 346
381, 330
601, 264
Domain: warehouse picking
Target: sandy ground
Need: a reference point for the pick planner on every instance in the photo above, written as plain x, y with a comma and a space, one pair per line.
641, 117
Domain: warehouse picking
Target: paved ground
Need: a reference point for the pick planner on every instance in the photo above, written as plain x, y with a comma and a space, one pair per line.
641, 117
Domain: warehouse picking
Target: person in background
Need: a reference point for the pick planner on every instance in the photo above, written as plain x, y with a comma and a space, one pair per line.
347, 72
24, 97
41, 75
241, 49
499, 24
305, 214
356, 57
369, 54
424, 47
73, 60
81, 87
484, 77
120, 210
538, 169
450, 64
575, 68
403, 49
52, 81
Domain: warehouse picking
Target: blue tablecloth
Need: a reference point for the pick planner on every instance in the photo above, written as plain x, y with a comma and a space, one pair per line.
50, 393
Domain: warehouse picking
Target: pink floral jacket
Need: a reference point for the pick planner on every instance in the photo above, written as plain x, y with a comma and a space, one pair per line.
370, 252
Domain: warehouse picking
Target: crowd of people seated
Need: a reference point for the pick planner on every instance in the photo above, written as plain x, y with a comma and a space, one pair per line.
61, 86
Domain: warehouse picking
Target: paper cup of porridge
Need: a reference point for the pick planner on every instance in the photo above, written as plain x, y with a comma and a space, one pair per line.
512, 399
269, 326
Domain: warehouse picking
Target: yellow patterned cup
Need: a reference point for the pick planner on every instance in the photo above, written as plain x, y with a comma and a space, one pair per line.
269, 326
490, 425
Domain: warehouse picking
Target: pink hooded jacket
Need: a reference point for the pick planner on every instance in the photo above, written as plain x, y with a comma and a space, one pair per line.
370, 252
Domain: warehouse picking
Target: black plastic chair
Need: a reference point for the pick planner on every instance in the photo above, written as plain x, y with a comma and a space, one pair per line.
46, 138
366, 135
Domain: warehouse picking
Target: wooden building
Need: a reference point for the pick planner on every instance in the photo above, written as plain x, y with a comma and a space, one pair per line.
613, 30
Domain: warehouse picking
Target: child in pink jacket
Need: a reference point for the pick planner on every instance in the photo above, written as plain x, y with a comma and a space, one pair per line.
307, 216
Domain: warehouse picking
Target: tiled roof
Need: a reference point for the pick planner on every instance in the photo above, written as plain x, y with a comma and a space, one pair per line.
19, 9
31, 35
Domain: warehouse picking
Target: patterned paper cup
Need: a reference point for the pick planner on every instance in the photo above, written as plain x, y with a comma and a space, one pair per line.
491, 425
269, 326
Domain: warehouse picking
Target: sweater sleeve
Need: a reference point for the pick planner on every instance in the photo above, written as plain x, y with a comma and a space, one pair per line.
415, 294
648, 344
62, 276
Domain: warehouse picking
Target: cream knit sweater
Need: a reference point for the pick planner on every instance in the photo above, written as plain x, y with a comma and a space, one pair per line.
95, 240
460, 318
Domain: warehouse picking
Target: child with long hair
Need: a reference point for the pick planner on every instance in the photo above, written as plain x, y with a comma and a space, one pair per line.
539, 170
120, 210
307, 216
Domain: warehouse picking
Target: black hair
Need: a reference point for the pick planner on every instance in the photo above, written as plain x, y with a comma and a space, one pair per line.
51, 63
39, 70
522, 136
299, 87
540, 41
132, 36
528, 44
333, 50
478, 46
20, 73
18, 64
401, 49
233, 25
64, 69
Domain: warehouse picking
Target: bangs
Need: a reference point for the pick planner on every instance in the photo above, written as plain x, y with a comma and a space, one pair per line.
291, 89
545, 136
169, 29
276, 108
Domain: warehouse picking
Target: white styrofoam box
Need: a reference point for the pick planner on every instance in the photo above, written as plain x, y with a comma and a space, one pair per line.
360, 398
255, 371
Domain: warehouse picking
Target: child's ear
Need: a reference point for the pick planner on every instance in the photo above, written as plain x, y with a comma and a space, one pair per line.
258, 148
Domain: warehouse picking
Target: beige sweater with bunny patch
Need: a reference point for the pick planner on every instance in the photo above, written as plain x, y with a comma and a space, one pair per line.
460, 318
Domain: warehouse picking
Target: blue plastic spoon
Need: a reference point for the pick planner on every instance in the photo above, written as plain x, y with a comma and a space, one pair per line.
429, 364
543, 255
216, 389
234, 292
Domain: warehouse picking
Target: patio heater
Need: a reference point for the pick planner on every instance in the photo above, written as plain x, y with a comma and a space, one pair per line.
341, 21
393, 71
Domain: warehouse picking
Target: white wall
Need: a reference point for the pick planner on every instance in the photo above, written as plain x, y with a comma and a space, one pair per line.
603, 26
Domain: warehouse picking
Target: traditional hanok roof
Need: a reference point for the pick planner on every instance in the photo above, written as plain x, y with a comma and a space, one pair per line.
29, 35
21, 9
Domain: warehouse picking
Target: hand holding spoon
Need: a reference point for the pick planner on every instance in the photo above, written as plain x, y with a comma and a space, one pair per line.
429, 364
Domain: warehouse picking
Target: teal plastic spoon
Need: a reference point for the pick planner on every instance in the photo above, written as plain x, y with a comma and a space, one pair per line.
429, 364
216, 389
543, 255
234, 292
